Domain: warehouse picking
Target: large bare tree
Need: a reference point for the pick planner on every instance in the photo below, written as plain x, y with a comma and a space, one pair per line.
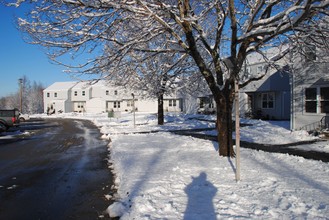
216, 34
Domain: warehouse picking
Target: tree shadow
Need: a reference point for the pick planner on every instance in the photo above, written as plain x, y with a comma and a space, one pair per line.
200, 194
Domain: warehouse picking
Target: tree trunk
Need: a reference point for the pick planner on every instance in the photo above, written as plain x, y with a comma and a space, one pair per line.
160, 110
225, 124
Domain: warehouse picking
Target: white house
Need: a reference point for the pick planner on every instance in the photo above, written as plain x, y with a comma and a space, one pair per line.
102, 96
80, 95
57, 97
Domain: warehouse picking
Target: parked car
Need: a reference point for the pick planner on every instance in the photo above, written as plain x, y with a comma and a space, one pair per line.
9, 118
23, 117
2, 127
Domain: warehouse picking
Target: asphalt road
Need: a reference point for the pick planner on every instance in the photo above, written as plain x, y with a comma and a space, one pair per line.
56, 170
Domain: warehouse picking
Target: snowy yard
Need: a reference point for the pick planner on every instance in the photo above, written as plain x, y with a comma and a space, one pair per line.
166, 176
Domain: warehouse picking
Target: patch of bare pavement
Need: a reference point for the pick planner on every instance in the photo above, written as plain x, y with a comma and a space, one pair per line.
58, 171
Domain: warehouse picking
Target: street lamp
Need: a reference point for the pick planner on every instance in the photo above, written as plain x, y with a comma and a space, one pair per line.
132, 94
20, 81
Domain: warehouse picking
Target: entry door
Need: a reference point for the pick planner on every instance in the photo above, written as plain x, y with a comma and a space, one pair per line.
78, 106
113, 106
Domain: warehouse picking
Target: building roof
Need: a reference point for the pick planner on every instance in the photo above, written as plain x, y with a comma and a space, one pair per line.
82, 85
271, 54
60, 86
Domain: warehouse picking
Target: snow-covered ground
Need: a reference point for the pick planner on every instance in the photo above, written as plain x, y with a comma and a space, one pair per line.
166, 176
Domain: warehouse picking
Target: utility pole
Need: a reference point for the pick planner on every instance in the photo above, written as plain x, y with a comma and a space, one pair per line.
237, 130
228, 63
20, 81
132, 94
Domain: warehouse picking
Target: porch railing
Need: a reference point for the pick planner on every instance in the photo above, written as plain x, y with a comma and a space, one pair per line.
318, 125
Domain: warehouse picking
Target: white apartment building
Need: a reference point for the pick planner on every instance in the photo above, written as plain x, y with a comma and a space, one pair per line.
101, 96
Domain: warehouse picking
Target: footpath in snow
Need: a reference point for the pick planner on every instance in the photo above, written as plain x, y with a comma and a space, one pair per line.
166, 176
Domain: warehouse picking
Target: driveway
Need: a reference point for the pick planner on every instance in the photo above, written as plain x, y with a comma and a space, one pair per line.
56, 169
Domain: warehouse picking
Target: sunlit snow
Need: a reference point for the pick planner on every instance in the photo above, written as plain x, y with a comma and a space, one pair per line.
161, 175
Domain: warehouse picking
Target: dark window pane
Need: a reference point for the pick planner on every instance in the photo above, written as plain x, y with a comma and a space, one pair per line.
324, 93
325, 107
201, 103
310, 94
310, 106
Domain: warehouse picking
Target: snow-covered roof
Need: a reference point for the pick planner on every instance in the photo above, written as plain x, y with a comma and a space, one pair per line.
270, 54
58, 86
82, 85
103, 83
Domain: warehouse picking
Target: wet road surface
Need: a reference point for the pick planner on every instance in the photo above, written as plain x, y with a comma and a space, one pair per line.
56, 170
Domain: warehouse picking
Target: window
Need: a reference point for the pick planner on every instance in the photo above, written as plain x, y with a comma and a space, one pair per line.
116, 104
268, 100
83, 93
211, 103
48, 94
201, 103
129, 103
259, 69
107, 92
310, 100
172, 102
75, 93
55, 94
310, 53
324, 99
115, 92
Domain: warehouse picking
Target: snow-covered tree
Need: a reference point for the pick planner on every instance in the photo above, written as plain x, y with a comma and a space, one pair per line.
216, 34
158, 77
32, 97
34, 100
154, 78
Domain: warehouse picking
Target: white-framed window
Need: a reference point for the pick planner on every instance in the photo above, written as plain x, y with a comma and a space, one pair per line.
48, 94
268, 100
83, 93
129, 103
311, 100
317, 100
172, 102
116, 104
259, 69
324, 99
310, 53
55, 94
107, 92
75, 93
115, 92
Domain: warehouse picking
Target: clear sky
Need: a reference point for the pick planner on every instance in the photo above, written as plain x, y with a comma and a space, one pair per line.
18, 58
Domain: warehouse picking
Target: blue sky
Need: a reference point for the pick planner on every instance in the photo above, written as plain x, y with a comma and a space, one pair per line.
18, 58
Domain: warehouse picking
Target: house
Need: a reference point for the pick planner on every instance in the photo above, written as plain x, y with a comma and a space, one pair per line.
80, 95
102, 96
297, 91
57, 97
310, 86
269, 97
